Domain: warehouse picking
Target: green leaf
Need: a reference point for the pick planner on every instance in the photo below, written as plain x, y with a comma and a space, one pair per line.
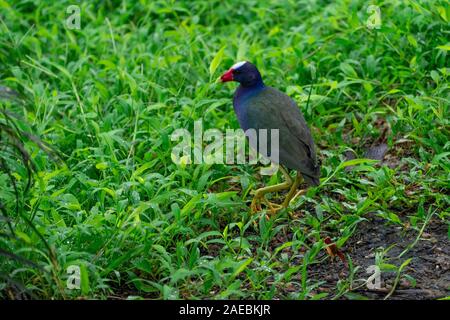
348, 70
241, 268
101, 165
191, 204
412, 41
57, 219
444, 47
216, 61
388, 267
23, 236
70, 202
443, 13
180, 274
355, 162
435, 76
85, 287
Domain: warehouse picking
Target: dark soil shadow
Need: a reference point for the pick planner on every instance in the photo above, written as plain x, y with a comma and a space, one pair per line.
430, 265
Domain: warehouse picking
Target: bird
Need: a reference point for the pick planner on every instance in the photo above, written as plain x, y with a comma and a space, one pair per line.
258, 106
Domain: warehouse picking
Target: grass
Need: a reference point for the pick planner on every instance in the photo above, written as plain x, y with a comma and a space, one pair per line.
108, 96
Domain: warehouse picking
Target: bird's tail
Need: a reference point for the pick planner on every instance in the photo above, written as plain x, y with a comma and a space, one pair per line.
310, 180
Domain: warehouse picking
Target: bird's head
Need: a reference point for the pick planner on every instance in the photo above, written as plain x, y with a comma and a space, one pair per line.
243, 72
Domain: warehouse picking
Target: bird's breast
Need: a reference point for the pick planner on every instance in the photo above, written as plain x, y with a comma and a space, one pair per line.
241, 101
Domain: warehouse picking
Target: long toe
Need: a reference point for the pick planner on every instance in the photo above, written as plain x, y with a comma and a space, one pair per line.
299, 193
273, 207
255, 205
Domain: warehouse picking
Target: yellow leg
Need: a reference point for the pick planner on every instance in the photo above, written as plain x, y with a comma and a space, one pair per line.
260, 194
259, 197
299, 193
293, 190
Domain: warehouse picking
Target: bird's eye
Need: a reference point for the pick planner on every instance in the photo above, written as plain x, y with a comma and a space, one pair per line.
237, 71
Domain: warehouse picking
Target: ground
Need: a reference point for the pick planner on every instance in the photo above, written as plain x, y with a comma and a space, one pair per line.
430, 264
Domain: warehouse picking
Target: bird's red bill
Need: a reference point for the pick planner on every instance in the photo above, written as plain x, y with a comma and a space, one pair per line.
227, 76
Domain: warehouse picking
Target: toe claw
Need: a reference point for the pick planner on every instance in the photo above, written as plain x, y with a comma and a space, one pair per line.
255, 205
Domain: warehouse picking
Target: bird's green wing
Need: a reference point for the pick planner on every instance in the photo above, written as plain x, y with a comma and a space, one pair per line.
272, 109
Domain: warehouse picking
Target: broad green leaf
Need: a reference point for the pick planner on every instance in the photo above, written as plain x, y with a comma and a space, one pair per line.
444, 47
85, 287
216, 61
191, 204
241, 268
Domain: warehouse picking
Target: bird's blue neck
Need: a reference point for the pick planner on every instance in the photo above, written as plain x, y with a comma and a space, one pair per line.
243, 95
245, 92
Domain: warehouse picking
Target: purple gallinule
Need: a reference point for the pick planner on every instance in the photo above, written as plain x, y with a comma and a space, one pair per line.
258, 106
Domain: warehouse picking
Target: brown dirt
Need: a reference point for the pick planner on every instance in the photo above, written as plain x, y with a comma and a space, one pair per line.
430, 265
